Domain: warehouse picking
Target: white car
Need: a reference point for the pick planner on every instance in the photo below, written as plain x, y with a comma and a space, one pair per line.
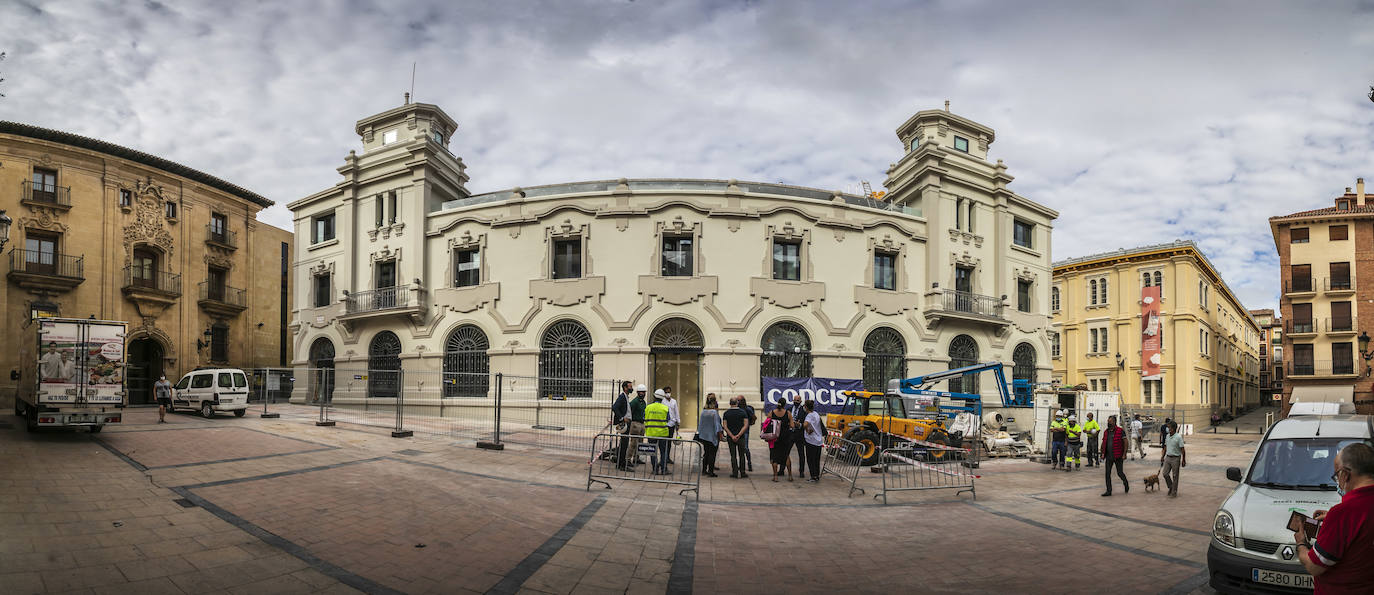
212, 390
1252, 550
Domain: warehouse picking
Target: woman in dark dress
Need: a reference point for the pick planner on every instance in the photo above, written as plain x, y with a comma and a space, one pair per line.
780, 420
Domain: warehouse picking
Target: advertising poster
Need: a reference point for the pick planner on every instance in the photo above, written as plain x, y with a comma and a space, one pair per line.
828, 393
73, 368
1150, 333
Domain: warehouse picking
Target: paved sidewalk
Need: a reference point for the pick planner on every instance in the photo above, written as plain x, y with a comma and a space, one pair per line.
250, 505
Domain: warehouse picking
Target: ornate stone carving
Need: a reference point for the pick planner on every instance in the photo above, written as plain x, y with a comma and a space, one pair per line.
148, 225
322, 268
43, 218
218, 261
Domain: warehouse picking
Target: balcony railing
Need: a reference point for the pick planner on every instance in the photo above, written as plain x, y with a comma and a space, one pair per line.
1322, 368
970, 303
1299, 285
46, 194
385, 298
215, 292
139, 278
221, 236
1347, 324
50, 264
1299, 327
1338, 284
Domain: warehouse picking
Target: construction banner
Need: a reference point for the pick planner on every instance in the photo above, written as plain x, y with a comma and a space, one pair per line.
1149, 333
828, 393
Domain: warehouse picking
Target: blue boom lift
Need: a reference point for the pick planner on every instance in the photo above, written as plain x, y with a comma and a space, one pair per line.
1018, 395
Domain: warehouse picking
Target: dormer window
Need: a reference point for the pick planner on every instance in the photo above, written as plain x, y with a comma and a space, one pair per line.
1343, 205
438, 137
915, 143
960, 144
389, 137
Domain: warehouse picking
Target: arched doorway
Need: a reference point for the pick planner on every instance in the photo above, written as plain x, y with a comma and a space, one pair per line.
321, 371
144, 366
884, 358
384, 366
963, 351
675, 360
786, 352
565, 361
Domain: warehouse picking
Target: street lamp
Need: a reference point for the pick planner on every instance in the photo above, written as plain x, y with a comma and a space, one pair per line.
1364, 350
4, 228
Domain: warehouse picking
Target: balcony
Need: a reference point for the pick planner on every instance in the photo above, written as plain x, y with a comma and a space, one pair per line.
387, 301
150, 291
1338, 286
47, 271
1340, 326
962, 305
1300, 328
1299, 287
1322, 369
221, 237
46, 195
222, 300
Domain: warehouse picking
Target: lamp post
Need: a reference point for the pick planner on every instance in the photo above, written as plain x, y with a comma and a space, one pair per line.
4, 228
1364, 350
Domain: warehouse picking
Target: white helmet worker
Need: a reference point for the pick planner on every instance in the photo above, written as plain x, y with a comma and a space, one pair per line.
659, 394
641, 388
1060, 413
1073, 418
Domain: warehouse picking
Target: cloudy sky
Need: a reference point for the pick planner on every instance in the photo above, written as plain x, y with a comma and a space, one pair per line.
1141, 122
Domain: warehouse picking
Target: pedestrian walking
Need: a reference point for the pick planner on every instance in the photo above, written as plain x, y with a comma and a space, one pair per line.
798, 414
709, 432
162, 391
777, 430
656, 429
1114, 454
620, 418
1342, 559
744, 444
1075, 444
1164, 431
1059, 431
1175, 458
1091, 433
736, 424
814, 435
1137, 437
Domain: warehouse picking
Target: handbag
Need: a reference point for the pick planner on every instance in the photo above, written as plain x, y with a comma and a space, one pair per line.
770, 430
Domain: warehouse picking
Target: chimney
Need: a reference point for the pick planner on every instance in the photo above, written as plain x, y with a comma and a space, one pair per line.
1359, 192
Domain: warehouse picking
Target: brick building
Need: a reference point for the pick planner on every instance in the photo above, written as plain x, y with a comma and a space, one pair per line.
1327, 270
1270, 354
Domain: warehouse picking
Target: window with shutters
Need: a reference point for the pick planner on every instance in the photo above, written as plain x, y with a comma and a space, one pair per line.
1300, 278
1298, 235
1341, 320
1342, 358
1340, 276
1339, 232
1302, 319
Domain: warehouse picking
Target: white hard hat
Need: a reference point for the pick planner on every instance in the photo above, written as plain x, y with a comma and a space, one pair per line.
659, 394
641, 388
1073, 418
1060, 413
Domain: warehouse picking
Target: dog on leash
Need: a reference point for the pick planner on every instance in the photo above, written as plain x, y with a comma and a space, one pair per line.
1152, 481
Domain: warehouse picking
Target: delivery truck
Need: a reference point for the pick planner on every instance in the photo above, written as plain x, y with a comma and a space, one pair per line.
71, 373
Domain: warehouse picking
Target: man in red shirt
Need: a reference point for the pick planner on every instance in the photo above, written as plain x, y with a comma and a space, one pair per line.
1342, 560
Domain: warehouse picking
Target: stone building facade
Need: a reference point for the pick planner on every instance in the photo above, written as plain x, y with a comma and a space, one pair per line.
107, 231
1209, 343
1327, 271
705, 285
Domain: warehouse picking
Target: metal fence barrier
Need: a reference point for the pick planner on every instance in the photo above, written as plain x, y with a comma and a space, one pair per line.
843, 459
270, 386
643, 461
912, 467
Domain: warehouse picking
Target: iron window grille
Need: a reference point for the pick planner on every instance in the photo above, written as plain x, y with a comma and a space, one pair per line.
1023, 363
786, 351
963, 351
676, 335
466, 363
884, 358
384, 366
219, 343
565, 361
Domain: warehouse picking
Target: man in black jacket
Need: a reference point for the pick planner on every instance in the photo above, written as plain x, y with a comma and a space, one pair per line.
798, 411
619, 409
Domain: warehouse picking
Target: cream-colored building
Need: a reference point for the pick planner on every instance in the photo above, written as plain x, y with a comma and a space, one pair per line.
1209, 356
107, 231
706, 285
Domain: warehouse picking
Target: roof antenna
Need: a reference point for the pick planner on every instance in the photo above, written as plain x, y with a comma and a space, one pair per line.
412, 83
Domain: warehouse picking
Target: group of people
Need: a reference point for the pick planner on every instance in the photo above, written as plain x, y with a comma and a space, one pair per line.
786, 427
1110, 446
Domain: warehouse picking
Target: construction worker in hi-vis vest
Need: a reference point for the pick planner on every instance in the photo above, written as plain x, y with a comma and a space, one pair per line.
656, 429
1075, 460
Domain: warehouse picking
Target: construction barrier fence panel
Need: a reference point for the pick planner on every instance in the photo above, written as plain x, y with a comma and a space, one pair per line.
672, 461
843, 459
925, 466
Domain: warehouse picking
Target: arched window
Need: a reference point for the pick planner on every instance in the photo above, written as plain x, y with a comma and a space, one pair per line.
1159, 279
384, 366
565, 361
677, 335
1023, 367
786, 351
1145, 278
466, 365
963, 351
1092, 291
321, 370
884, 358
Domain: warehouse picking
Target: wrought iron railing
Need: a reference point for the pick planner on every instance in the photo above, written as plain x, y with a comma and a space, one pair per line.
1340, 324
224, 294
52, 264
1322, 368
222, 236
1299, 285
385, 298
1338, 284
1298, 327
140, 278
47, 193
970, 303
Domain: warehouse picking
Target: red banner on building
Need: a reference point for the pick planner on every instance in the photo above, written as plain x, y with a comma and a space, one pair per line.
1150, 332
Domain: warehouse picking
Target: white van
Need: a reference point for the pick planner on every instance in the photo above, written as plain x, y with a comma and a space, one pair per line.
211, 390
1252, 549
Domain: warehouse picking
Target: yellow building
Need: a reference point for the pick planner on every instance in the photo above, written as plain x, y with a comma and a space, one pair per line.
1209, 343
99, 230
